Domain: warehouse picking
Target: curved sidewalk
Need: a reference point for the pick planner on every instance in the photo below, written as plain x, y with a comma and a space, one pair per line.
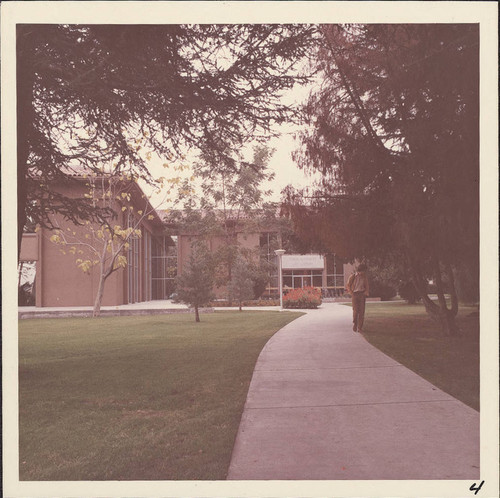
325, 404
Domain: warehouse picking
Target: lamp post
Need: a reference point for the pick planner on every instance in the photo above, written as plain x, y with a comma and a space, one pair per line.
279, 253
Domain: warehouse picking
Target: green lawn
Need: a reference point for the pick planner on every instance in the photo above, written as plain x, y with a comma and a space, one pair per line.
406, 333
136, 398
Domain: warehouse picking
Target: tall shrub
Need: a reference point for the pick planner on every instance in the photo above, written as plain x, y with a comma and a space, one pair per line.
241, 285
195, 283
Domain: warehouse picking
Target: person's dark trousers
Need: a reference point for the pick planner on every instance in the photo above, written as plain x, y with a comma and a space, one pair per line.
358, 310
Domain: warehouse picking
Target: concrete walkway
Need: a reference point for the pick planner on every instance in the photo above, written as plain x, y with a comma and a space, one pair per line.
142, 308
325, 404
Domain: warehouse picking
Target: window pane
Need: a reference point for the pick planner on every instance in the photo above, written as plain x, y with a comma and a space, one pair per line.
317, 281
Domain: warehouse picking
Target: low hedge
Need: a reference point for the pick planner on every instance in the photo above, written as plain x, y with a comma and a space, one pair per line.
302, 298
409, 293
252, 302
382, 289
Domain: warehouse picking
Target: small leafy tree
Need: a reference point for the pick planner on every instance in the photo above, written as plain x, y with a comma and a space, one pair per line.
241, 286
235, 196
105, 245
260, 277
195, 283
232, 203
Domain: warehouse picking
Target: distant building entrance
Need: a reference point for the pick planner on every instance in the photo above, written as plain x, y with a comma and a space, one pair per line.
312, 270
303, 270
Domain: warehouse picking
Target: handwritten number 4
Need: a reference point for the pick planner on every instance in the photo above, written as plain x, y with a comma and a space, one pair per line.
476, 488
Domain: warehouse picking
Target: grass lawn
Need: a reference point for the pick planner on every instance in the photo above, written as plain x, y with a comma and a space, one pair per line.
136, 398
407, 334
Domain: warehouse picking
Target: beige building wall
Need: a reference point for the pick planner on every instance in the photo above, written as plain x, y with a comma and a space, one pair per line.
30, 247
249, 240
60, 282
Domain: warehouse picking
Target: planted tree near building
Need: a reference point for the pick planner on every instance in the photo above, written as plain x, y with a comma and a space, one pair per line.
393, 128
85, 93
195, 283
241, 286
105, 245
232, 203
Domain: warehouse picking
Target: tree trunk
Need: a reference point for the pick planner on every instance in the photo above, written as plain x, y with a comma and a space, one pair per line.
229, 283
20, 272
196, 313
448, 323
98, 297
446, 316
240, 306
25, 116
438, 312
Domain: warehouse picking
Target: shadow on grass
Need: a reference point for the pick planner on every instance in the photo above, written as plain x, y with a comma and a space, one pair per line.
407, 334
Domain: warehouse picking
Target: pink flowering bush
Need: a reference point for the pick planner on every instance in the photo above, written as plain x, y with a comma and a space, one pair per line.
302, 298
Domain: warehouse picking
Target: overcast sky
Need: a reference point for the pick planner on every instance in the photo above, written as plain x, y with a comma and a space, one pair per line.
281, 163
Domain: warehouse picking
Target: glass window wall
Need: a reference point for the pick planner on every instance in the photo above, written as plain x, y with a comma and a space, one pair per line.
164, 267
302, 278
133, 258
334, 276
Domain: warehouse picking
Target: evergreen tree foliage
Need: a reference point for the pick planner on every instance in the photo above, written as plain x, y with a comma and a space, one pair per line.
195, 283
89, 95
241, 286
393, 128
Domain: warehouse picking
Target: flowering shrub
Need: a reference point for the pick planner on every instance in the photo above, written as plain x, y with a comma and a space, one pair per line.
307, 297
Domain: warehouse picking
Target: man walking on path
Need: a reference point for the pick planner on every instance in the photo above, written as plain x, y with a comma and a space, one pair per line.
358, 287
